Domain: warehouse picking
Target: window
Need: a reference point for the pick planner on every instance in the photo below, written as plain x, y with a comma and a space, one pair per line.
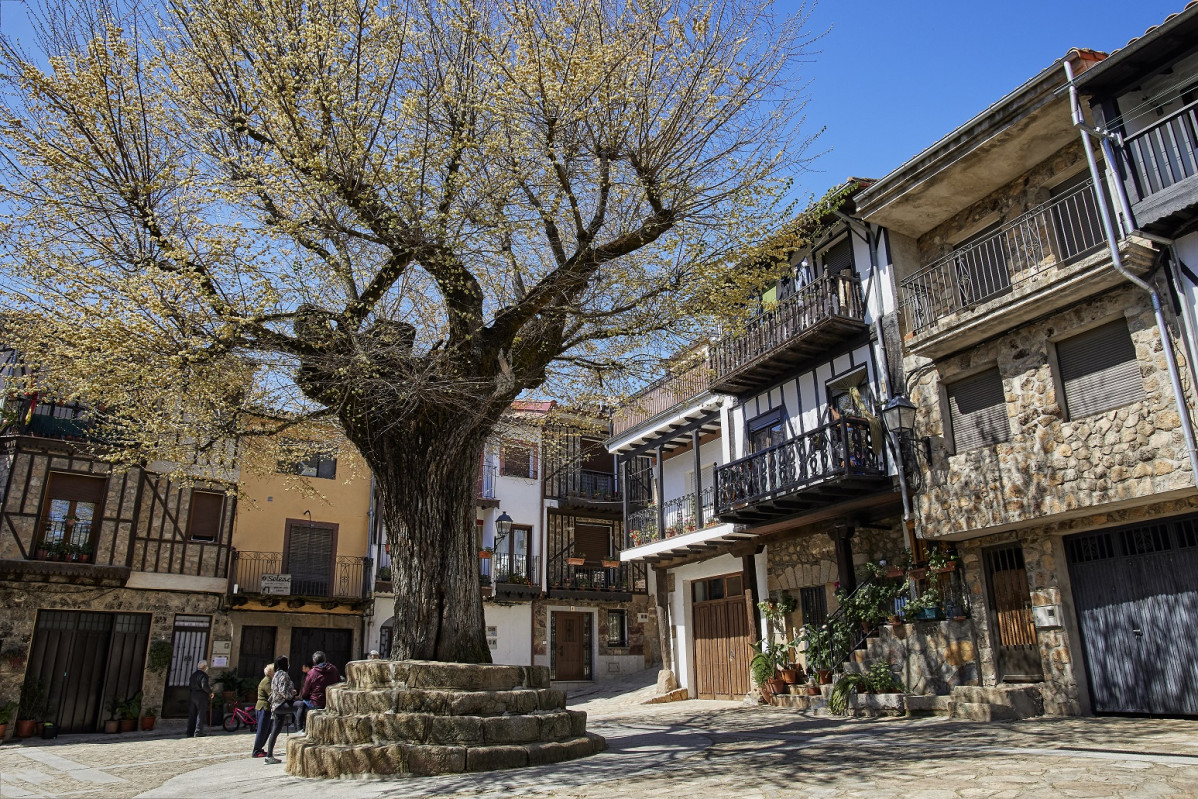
592, 541
838, 257
766, 430
204, 518
617, 628
518, 459
511, 558
850, 396
310, 551
977, 411
1098, 370
814, 602
318, 462
70, 514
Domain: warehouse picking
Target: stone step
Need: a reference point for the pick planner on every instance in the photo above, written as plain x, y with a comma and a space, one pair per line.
800, 701
454, 676
308, 758
426, 728
983, 711
1025, 701
930, 705
347, 700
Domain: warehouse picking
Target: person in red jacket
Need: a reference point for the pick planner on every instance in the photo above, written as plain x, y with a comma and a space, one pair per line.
320, 677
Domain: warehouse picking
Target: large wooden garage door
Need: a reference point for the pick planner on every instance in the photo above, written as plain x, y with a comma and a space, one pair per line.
723, 635
1136, 594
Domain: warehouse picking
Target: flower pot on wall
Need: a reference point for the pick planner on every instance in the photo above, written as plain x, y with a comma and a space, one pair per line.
25, 728
128, 725
147, 722
576, 561
112, 726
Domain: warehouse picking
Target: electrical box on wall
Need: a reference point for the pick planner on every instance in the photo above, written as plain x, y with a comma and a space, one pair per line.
1046, 616
642, 618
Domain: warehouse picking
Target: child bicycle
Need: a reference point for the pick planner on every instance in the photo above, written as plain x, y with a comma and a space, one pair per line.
240, 715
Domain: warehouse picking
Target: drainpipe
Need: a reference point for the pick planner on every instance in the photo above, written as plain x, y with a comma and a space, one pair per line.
1108, 227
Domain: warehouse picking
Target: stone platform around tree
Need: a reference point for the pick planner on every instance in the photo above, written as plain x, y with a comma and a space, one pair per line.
424, 717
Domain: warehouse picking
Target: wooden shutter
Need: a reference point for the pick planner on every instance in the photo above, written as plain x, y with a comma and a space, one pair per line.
310, 559
204, 518
1099, 370
592, 541
977, 411
838, 257
79, 487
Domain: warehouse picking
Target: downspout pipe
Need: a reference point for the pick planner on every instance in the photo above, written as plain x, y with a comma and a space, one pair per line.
1108, 227
871, 242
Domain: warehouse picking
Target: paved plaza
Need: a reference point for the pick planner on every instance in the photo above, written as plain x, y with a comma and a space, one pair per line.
697, 749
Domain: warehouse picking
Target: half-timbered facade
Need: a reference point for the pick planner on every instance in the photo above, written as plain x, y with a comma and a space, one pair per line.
98, 565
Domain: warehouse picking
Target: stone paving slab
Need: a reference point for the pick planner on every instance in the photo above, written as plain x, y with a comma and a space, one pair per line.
700, 750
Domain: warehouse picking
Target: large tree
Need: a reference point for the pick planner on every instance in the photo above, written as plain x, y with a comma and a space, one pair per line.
232, 216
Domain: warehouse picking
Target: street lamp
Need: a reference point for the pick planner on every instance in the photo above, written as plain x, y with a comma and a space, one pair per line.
899, 414
503, 526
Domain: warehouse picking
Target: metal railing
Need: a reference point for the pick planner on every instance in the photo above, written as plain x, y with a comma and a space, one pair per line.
349, 577
823, 298
680, 518
486, 481
845, 447
1164, 153
583, 484
660, 396
514, 568
1049, 234
65, 540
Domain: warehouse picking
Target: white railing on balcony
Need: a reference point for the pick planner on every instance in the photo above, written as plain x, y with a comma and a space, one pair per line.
1057, 231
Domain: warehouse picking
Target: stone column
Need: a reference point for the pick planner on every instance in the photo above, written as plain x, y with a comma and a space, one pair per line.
666, 679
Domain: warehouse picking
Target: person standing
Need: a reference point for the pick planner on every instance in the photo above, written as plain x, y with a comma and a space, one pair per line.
262, 709
282, 693
322, 675
199, 695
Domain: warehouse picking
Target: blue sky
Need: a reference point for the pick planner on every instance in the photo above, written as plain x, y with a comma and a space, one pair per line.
892, 76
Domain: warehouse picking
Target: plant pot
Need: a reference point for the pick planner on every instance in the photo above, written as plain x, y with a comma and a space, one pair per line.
812, 690
484, 554
576, 561
128, 725
960, 618
789, 676
895, 572
611, 564
951, 566
112, 726
85, 557
25, 728
3, 730
824, 676
896, 620
917, 574
147, 722
777, 685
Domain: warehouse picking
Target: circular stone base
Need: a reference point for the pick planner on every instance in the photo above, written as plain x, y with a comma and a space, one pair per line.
423, 717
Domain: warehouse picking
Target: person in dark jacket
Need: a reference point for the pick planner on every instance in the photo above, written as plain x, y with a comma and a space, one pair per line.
199, 694
322, 675
263, 711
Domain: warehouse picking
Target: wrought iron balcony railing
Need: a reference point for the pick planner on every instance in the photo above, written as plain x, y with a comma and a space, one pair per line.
348, 577
583, 484
65, 540
846, 447
660, 396
680, 518
1165, 153
486, 481
513, 568
824, 298
1045, 236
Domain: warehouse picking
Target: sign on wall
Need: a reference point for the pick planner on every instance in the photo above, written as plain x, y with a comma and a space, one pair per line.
493, 637
276, 584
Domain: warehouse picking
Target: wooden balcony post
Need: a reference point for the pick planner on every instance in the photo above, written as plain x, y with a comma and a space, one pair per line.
842, 537
698, 481
661, 495
622, 467
662, 597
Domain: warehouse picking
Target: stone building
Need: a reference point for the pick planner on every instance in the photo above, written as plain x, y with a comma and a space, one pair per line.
1051, 447
758, 465
100, 568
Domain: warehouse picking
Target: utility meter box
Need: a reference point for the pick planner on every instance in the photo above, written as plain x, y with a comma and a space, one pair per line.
1046, 617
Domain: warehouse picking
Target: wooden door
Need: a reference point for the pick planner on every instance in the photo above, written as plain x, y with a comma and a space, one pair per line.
569, 646
1011, 617
722, 616
337, 646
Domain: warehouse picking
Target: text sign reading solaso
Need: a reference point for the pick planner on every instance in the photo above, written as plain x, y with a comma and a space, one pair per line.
276, 584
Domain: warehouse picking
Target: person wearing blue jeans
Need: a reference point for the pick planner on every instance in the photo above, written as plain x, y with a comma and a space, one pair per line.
262, 709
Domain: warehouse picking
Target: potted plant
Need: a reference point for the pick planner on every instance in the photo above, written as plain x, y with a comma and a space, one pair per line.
149, 717
611, 563
128, 712
160, 655
924, 607
112, 724
7, 711
486, 552
941, 560
576, 558
33, 706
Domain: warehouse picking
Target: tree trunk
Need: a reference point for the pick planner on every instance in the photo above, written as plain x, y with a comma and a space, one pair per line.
426, 473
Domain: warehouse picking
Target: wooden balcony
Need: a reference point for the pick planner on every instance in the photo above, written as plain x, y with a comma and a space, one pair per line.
1161, 167
798, 330
662, 396
835, 463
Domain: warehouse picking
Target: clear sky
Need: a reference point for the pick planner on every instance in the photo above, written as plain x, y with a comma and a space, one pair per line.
893, 76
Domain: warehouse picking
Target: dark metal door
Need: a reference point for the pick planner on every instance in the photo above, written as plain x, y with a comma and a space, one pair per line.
190, 646
1136, 595
337, 646
568, 646
256, 650
84, 661
1011, 616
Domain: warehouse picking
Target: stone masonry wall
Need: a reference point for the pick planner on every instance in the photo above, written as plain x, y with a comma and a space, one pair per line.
21, 601
643, 641
1049, 465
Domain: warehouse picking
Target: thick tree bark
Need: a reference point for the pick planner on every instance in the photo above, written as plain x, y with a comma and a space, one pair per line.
426, 472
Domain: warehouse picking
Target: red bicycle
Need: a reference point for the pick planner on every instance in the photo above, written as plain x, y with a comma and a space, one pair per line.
240, 715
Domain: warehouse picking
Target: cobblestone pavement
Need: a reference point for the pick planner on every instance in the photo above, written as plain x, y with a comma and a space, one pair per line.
697, 749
